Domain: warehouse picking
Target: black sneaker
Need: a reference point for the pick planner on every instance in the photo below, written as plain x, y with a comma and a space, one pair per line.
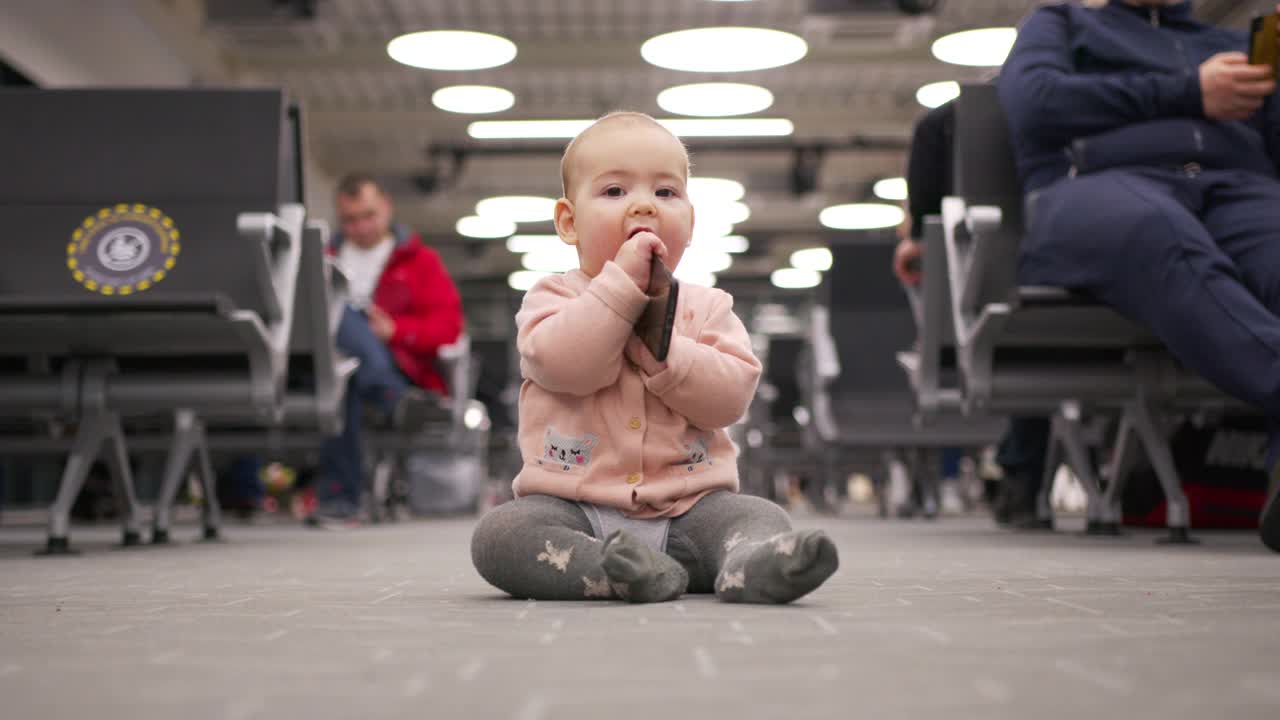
412, 411
1269, 521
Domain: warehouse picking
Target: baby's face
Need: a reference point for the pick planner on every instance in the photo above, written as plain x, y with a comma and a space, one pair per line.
629, 177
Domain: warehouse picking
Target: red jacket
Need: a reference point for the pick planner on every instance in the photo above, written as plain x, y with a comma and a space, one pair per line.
416, 291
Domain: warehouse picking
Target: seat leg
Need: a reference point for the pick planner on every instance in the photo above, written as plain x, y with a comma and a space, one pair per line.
175, 466
126, 496
1069, 429
381, 490
1177, 513
1053, 458
84, 450
211, 512
1125, 455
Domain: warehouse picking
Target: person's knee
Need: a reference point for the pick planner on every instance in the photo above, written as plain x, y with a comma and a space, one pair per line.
486, 539
748, 507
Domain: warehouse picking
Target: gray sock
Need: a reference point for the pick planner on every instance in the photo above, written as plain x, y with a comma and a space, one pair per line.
778, 570
640, 574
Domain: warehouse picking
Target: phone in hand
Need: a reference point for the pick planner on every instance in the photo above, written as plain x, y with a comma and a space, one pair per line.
657, 322
1262, 41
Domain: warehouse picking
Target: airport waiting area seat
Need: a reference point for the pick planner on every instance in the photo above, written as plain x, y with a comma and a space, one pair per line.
458, 428
156, 239
1033, 350
860, 332
772, 439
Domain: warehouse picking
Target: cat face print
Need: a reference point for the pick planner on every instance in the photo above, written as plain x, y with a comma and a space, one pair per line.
567, 450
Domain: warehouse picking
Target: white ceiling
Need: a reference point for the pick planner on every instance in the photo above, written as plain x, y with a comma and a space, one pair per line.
581, 58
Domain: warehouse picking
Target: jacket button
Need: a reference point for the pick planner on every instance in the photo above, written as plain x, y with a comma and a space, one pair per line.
633, 478
634, 423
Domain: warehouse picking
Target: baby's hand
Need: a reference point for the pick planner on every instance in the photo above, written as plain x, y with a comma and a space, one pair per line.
639, 355
636, 255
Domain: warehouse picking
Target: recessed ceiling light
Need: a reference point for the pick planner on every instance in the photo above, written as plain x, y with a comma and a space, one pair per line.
694, 277
702, 258
517, 208
730, 127
861, 216
526, 129
715, 99
713, 189
727, 244
529, 243
935, 94
985, 47
557, 259
451, 50
721, 212
524, 279
473, 99
731, 243
795, 278
894, 188
723, 49
710, 228
818, 258
548, 129
484, 227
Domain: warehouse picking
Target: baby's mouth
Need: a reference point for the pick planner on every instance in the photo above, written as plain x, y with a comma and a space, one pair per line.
639, 230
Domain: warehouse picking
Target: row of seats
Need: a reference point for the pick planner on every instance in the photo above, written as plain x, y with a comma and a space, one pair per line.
166, 291
972, 347
990, 347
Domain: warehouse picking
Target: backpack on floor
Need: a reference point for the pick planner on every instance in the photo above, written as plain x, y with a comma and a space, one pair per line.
1221, 465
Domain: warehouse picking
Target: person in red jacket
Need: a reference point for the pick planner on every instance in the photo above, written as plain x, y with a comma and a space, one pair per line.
403, 307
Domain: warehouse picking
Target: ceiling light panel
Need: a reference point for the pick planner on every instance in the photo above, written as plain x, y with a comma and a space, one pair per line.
723, 49
984, 47
861, 216
938, 93
715, 99
451, 50
517, 208
473, 99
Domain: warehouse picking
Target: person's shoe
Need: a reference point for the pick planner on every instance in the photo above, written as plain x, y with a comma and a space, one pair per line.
411, 411
337, 515
1269, 521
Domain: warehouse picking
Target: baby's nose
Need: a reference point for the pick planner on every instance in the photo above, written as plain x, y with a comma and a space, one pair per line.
642, 206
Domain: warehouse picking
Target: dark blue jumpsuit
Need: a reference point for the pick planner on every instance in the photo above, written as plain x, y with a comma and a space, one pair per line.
1138, 199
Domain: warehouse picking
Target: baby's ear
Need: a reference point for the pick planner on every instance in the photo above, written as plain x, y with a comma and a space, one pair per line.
566, 228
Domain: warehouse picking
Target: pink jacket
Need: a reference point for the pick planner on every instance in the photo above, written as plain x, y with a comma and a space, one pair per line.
601, 421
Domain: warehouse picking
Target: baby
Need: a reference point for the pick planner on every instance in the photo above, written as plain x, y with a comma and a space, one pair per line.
629, 484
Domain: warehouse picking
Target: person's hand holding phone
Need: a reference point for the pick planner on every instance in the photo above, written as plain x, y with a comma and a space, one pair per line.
1231, 88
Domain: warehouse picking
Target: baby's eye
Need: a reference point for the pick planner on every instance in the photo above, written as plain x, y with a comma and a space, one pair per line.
613, 191
667, 193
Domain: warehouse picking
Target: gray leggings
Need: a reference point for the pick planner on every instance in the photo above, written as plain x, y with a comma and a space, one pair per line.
542, 547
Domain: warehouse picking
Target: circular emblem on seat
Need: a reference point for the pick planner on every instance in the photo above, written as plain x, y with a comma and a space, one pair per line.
123, 249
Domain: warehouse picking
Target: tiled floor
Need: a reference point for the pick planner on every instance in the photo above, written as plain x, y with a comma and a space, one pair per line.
952, 619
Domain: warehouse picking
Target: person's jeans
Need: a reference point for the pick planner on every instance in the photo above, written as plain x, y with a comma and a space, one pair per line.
1022, 454
378, 381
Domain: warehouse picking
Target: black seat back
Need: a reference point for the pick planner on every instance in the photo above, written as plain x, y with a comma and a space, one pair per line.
985, 174
870, 321
197, 158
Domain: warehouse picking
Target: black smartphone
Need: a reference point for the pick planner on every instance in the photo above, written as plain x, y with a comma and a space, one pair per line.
1262, 41
657, 322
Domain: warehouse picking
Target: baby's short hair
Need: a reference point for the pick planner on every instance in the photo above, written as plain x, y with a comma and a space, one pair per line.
570, 150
